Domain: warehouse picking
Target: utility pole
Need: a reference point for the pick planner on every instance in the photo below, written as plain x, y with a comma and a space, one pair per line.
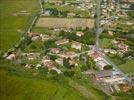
98, 2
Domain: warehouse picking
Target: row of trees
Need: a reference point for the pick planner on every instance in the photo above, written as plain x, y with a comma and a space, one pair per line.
87, 38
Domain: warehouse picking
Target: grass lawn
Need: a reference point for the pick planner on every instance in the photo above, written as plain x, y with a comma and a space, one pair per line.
105, 43
128, 67
15, 17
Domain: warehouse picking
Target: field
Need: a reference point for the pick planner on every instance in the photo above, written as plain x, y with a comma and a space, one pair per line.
128, 67
15, 17
105, 43
18, 83
65, 22
20, 88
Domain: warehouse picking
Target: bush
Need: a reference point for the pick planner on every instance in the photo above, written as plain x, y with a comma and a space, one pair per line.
69, 73
43, 70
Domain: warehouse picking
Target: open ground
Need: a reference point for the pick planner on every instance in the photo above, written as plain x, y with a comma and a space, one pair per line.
65, 22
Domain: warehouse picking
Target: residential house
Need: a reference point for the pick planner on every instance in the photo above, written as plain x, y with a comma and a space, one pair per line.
31, 56
47, 62
32, 34
45, 37
96, 57
54, 50
107, 76
63, 41
59, 61
122, 48
127, 87
11, 56
69, 54
79, 33
76, 45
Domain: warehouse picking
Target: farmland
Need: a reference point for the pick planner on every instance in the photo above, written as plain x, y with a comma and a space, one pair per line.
16, 16
65, 22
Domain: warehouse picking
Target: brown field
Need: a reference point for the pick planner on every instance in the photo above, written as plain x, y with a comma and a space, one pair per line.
65, 23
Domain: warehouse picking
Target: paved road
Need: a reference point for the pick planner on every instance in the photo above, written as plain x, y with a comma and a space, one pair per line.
98, 2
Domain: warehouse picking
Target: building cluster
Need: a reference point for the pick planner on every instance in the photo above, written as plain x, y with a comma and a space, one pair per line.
109, 10
86, 6
120, 47
112, 78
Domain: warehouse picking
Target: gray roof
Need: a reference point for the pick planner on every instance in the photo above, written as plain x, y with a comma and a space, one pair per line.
104, 73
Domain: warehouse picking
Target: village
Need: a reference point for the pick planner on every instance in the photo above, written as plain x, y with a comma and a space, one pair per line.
64, 47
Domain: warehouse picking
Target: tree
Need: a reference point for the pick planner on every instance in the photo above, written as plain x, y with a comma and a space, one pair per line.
108, 67
43, 70
54, 75
66, 62
69, 73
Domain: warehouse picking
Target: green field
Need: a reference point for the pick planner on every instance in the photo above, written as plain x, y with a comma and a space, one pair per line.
105, 43
19, 88
18, 83
128, 67
15, 17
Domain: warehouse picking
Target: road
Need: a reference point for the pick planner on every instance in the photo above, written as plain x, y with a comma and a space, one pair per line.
98, 2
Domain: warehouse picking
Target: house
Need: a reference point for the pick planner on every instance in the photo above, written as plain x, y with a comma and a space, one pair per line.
54, 50
110, 33
127, 87
11, 57
72, 62
76, 45
96, 57
79, 33
45, 37
59, 61
63, 41
103, 74
107, 76
32, 34
115, 42
90, 52
47, 62
31, 56
106, 50
122, 48
69, 54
